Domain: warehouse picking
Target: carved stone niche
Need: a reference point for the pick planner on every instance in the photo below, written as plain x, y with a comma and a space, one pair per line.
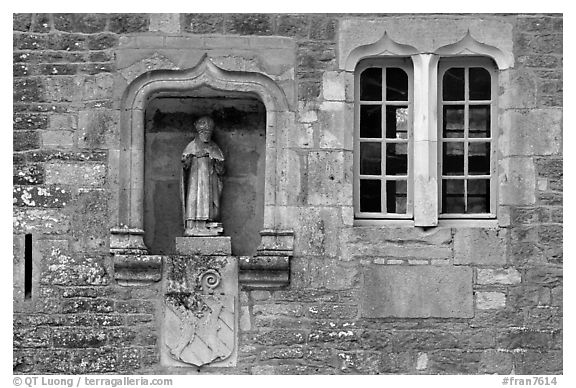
133, 263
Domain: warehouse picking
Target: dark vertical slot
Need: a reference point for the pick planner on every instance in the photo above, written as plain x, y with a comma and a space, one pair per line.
27, 266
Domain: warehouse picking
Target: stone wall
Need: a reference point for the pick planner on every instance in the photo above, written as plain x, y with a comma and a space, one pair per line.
459, 298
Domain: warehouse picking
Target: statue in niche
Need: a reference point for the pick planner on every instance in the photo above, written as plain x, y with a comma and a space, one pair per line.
201, 185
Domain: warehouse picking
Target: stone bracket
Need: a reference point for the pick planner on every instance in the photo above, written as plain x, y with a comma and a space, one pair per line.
270, 268
137, 270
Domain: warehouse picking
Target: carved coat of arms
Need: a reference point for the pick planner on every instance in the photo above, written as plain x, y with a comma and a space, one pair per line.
200, 327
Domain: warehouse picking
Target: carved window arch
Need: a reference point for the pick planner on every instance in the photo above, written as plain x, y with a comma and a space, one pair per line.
426, 156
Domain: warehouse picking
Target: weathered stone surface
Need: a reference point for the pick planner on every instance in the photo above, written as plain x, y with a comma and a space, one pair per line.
536, 362
21, 21
329, 178
204, 23
26, 140
128, 23
41, 196
165, 22
411, 292
30, 174
517, 181
480, 246
498, 276
75, 174
44, 221
97, 128
392, 242
29, 121
248, 24
534, 132
292, 25
213, 245
86, 23
490, 300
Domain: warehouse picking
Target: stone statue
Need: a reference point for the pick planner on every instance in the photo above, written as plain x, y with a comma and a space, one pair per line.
201, 185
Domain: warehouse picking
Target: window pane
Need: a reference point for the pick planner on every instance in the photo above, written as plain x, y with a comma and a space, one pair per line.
478, 196
479, 158
396, 197
371, 121
453, 121
370, 158
479, 83
370, 195
396, 84
453, 158
397, 159
371, 84
397, 122
479, 121
453, 196
453, 84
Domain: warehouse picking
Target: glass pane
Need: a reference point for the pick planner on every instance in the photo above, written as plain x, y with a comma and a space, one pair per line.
453, 158
479, 158
370, 195
479, 121
453, 196
397, 159
478, 196
397, 122
453, 84
453, 121
396, 84
370, 158
396, 197
371, 84
479, 83
371, 121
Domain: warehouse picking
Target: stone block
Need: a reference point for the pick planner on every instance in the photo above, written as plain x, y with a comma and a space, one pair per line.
498, 276
21, 21
43, 221
417, 292
63, 122
26, 140
249, 24
518, 90
98, 128
292, 25
213, 245
204, 23
396, 243
336, 125
490, 300
30, 174
127, 23
517, 181
496, 362
323, 27
480, 246
57, 139
30, 121
533, 132
28, 90
165, 22
329, 178
41, 196
76, 174
88, 23
333, 86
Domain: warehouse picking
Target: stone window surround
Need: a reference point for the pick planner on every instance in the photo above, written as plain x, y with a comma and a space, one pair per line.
425, 114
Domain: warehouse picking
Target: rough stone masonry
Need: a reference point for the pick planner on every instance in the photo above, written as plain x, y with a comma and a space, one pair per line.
465, 297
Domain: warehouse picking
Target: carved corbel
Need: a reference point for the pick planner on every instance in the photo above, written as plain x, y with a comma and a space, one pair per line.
270, 268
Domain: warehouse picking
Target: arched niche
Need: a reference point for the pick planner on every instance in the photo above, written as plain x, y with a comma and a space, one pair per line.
127, 236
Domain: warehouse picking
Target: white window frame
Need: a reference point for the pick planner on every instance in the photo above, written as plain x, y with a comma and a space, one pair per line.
466, 63
425, 156
406, 65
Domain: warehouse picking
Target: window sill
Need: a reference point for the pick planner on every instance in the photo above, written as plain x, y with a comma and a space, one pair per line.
442, 223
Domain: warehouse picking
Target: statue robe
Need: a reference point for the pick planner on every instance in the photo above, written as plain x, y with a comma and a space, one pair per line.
201, 184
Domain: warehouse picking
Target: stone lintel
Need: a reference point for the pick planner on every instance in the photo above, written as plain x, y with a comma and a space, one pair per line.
200, 245
264, 271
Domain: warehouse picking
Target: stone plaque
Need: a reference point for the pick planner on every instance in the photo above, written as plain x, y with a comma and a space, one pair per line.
200, 312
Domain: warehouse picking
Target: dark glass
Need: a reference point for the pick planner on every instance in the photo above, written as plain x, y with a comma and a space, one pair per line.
397, 122
453, 121
371, 121
370, 158
396, 84
478, 200
396, 197
480, 87
453, 84
453, 159
371, 84
479, 158
479, 121
397, 159
453, 196
370, 195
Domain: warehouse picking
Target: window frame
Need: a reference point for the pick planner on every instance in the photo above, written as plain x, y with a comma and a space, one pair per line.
445, 63
406, 64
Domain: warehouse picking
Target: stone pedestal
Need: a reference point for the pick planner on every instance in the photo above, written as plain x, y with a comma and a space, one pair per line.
204, 245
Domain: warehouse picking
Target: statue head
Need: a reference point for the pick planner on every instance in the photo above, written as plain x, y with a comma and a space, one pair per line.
204, 126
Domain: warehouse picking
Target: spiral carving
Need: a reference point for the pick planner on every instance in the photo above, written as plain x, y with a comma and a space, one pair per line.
210, 279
